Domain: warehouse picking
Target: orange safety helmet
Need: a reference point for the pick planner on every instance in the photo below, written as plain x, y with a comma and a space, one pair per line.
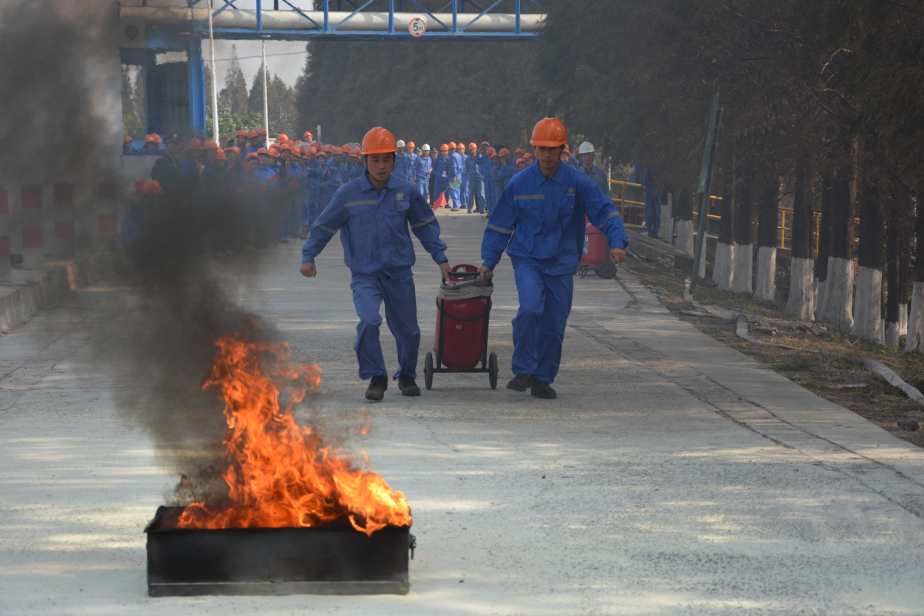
486, 143
346, 149
335, 150
322, 153
518, 151
209, 145
150, 139
444, 148
489, 152
522, 161
504, 152
472, 146
126, 139
251, 155
379, 141
549, 133
492, 155
261, 131
460, 145
354, 151
307, 136
152, 187
528, 155
252, 134
452, 145
242, 133
566, 149
273, 153
194, 144
410, 144
282, 138
263, 151
233, 148
221, 155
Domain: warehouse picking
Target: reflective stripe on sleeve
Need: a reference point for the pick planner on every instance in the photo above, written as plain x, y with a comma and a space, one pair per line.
499, 230
352, 203
527, 197
611, 215
320, 226
426, 222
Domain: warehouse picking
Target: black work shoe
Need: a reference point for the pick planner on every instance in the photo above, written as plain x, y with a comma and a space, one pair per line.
408, 386
541, 389
520, 382
377, 387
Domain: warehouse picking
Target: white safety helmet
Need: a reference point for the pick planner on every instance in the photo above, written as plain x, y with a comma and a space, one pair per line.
425, 148
586, 148
400, 143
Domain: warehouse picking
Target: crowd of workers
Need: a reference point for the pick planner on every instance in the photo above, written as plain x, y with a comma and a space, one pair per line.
297, 179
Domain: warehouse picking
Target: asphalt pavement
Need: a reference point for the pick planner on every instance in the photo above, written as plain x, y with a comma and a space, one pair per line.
672, 475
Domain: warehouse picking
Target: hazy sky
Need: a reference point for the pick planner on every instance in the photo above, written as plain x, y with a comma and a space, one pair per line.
285, 58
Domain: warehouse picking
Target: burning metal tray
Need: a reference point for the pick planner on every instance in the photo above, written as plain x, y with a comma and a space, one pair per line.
329, 560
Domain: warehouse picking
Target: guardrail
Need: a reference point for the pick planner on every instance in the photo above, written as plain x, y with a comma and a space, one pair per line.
632, 212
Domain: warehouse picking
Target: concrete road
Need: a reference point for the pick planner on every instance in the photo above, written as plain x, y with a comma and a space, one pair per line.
671, 476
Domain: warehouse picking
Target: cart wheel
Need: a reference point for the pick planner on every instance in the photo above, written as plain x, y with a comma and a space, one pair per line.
492, 369
607, 270
428, 370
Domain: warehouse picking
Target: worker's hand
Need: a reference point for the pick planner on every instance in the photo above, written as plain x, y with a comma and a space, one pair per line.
617, 255
308, 270
484, 274
445, 269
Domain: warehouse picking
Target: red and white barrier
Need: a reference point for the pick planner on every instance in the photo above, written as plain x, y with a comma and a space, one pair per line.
6, 269
64, 220
33, 232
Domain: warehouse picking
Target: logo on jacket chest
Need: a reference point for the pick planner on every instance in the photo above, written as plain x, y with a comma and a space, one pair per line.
571, 191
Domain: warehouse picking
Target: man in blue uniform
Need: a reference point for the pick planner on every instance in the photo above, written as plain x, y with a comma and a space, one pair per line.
475, 174
539, 221
403, 163
586, 153
375, 214
463, 189
454, 192
487, 175
441, 171
422, 169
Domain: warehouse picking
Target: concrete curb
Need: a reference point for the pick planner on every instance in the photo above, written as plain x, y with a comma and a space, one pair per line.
30, 291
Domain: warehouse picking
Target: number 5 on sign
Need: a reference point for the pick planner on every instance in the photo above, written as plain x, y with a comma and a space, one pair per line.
417, 27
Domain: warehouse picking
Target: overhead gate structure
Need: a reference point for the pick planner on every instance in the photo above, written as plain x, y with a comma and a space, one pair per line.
167, 39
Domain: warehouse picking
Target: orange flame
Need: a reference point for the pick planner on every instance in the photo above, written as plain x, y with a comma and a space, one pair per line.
283, 474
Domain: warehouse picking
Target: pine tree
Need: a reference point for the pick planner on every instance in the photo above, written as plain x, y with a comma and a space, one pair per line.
234, 94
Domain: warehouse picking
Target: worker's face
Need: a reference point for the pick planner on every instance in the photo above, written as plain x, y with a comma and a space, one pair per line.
231, 156
444, 153
174, 148
322, 159
497, 161
482, 149
252, 164
461, 151
588, 159
266, 159
241, 141
566, 156
409, 150
127, 145
255, 141
380, 166
473, 152
505, 158
548, 157
338, 158
211, 153
195, 154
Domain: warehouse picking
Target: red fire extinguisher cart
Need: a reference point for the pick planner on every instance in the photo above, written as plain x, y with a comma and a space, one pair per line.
596, 255
463, 309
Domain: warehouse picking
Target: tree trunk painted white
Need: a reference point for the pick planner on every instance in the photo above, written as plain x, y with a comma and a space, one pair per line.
867, 307
667, 213
741, 277
670, 232
915, 339
802, 289
685, 236
724, 267
766, 273
838, 306
892, 335
902, 319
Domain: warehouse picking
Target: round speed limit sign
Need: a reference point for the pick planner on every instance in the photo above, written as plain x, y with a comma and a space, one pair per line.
417, 27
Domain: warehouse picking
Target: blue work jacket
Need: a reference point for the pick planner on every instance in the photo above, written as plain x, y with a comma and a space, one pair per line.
421, 166
334, 177
455, 166
598, 176
375, 227
403, 166
441, 168
474, 168
543, 220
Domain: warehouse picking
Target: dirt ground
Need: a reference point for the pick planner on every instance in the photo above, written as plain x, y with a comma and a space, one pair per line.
825, 373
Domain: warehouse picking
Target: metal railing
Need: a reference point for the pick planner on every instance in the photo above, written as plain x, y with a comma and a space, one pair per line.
632, 212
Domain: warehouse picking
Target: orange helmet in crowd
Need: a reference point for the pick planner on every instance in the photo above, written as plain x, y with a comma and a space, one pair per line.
444, 148
549, 133
504, 152
209, 145
379, 141
152, 187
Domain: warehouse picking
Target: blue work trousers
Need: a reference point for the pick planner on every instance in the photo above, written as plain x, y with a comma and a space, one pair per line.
490, 199
401, 314
539, 327
311, 211
423, 185
454, 195
475, 194
463, 194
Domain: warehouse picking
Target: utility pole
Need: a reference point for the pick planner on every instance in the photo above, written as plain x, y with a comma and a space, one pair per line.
265, 99
705, 185
214, 79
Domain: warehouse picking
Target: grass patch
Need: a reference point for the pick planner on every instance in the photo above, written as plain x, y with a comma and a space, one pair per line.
710, 330
798, 363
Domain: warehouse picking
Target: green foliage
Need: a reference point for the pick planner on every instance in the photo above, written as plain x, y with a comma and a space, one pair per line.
132, 125
229, 123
